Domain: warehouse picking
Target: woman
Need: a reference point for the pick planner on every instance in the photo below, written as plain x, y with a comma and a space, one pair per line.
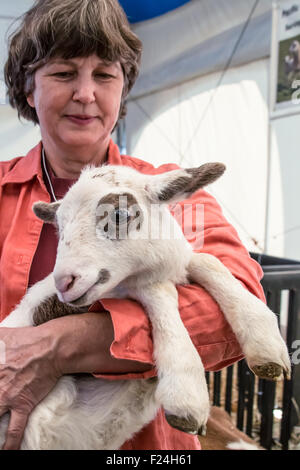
71, 65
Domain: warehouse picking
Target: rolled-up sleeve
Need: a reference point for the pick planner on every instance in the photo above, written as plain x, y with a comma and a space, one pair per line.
201, 315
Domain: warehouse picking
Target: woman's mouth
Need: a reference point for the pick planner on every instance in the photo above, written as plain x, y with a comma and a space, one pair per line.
80, 119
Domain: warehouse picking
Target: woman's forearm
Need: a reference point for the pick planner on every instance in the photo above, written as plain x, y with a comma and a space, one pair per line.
81, 343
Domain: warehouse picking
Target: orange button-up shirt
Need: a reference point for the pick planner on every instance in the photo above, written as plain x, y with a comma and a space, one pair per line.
21, 184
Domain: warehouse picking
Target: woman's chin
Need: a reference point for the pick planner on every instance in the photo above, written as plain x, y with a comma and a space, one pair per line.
82, 139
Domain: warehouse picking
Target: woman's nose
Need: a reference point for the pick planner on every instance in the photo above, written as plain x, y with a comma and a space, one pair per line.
84, 92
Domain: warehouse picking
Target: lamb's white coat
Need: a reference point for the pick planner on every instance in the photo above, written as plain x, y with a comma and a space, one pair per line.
89, 413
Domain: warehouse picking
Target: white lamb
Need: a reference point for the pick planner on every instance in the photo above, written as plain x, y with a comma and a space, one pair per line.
107, 249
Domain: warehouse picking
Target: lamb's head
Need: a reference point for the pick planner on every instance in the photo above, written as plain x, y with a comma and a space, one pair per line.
103, 226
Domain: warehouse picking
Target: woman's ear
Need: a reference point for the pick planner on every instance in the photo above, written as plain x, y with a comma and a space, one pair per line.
30, 100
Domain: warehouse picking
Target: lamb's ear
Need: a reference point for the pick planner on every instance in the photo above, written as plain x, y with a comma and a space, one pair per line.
46, 211
179, 184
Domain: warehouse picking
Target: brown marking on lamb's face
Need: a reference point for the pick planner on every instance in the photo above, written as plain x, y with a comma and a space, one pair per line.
53, 308
104, 276
114, 199
119, 201
110, 177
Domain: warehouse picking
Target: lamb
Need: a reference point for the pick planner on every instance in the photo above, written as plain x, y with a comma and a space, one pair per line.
107, 249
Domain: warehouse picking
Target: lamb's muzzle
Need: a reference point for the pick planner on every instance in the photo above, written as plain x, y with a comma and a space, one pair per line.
64, 283
67, 286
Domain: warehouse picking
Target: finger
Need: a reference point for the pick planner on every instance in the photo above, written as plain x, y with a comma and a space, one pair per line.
15, 431
3, 410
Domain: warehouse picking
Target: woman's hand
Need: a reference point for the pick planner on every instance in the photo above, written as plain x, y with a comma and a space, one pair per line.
27, 376
36, 357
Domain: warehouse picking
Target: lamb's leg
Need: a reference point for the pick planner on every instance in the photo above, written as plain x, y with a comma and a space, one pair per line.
181, 389
253, 323
22, 315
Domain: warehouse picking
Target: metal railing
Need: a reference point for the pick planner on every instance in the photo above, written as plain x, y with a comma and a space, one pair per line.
261, 397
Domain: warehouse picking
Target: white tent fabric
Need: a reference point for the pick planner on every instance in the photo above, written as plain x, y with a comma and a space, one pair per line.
9, 12
175, 114
283, 223
16, 137
175, 126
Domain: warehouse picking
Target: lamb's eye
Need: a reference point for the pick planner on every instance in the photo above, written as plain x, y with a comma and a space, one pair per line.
120, 216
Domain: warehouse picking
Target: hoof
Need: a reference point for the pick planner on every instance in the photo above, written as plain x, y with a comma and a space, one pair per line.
269, 371
188, 425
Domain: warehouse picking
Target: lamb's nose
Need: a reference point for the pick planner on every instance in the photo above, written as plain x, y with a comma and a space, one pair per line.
64, 283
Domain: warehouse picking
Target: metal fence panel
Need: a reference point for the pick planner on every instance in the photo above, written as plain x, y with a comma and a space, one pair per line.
279, 275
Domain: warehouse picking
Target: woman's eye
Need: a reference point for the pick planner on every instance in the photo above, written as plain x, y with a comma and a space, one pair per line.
120, 216
103, 76
63, 74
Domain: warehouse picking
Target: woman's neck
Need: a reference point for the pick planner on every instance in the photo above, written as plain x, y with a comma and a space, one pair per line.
69, 164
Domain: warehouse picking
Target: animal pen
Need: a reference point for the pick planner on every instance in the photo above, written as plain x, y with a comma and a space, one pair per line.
268, 408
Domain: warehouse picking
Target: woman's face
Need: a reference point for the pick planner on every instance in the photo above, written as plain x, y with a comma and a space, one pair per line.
77, 101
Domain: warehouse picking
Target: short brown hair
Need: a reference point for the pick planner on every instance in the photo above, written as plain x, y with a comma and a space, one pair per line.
69, 28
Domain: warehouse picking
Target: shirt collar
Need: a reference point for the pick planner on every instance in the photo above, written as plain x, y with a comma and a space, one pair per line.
28, 167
